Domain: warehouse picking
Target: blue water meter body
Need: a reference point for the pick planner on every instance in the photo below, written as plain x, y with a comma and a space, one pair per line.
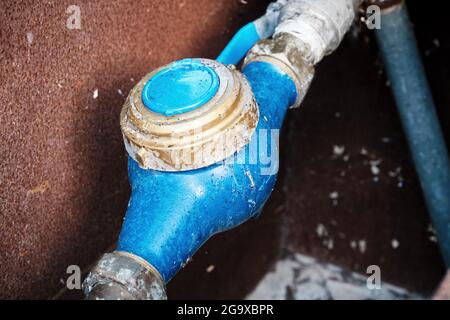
171, 214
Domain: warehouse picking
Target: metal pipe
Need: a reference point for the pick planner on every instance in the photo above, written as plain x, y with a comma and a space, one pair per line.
417, 112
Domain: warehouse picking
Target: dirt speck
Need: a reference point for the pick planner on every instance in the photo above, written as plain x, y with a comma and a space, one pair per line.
40, 188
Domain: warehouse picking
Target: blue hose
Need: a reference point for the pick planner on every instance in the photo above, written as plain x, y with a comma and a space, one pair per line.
418, 116
239, 45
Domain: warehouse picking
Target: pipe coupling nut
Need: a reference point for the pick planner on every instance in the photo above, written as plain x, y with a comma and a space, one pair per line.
319, 24
285, 52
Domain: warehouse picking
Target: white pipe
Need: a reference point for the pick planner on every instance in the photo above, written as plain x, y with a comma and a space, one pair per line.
319, 24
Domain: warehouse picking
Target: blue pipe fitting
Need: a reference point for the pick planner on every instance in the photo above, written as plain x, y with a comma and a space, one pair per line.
418, 116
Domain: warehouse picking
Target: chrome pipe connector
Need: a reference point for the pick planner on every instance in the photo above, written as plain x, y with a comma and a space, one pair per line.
319, 25
124, 276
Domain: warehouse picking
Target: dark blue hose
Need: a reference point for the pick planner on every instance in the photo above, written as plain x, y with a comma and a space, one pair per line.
418, 116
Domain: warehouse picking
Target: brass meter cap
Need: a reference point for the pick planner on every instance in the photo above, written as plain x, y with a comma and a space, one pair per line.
187, 115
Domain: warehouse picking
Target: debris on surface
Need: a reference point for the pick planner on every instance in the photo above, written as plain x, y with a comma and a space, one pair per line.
328, 243
95, 94
250, 178
321, 231
210, 268
362, 245
41, 188
323, 234
301, 277
432, 232
334, 196
395, 244
374, 167
396, 173
436, 45
338, 151
30, 37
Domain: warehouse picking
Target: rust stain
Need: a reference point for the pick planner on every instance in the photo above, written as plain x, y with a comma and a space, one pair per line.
40, 188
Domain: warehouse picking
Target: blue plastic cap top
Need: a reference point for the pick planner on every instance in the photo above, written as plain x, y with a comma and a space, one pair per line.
183, 86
